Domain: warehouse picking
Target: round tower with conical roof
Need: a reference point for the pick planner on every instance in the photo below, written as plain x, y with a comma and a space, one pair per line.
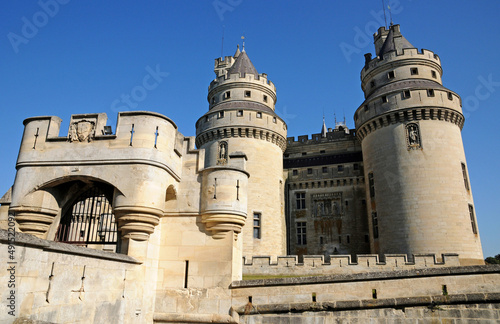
241, 118
414, 161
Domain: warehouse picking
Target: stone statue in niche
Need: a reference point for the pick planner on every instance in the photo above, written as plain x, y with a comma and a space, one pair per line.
222, 153
413, 136
82, 131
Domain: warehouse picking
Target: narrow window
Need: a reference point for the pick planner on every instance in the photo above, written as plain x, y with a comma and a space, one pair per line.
265, 98
371, 183
322, 152
248, 94
227, 95
301, 233
472, 219
321, 240
300, 199
414, 71
239, 113
325, 169
366, 108
221, 114
309, 171
450, 96
348, 239
391, 75
274, 120
207, 118
466, 180
340, 168
434, 75
372, 84
295, 172
304, 153
355, 166
213, 100
375, 225
340, 239
367, 239
384, 99
430, 93
259, 115
256, 225
406, 94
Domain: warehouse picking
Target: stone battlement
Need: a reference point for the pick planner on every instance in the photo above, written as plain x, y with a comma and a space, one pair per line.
315, 138
342, 264
235, 77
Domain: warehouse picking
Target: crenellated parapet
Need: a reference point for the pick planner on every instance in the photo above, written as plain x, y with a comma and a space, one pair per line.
343, 264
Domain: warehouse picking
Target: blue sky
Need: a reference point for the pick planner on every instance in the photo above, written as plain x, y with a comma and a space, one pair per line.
67, 57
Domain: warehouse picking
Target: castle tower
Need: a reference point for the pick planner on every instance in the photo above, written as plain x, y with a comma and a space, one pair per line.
241, 118
418, 191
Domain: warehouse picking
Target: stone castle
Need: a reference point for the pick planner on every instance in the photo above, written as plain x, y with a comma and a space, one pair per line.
145, 225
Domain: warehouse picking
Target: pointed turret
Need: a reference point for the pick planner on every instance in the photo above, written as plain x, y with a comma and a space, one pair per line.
323, 128
237, 53
243, 65
394, 41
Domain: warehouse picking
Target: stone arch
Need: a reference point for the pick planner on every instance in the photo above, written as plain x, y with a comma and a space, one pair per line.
171, 198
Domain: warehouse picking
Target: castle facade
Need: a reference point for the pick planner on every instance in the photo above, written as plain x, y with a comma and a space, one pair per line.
158, 223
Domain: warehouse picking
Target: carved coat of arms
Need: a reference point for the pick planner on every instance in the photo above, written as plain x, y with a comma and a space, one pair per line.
82, 131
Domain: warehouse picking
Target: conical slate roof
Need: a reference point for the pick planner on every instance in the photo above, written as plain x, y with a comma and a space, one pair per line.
323, 129
394, 42
243, 65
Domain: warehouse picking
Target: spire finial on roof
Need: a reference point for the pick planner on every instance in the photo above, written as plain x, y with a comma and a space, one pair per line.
323, 128
243, 38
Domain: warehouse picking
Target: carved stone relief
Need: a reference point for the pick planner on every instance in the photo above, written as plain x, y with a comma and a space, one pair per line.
222, 153
413, 139
328, 204
82, 131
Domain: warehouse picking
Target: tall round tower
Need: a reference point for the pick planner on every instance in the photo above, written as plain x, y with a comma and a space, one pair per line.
241, 118
416, 175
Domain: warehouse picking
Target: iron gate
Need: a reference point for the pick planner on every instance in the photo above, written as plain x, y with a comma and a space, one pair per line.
90, 220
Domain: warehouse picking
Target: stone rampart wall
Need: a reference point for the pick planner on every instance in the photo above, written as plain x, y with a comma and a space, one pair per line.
62, 283
342, 264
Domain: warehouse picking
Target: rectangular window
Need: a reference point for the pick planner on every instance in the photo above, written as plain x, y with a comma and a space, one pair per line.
372, 84
430, 93
472, 219
221, 114
265, 98
371, 184
450, 96
348, 238
274, 120
304, 153
406, 94
434, 74
259, 115
295, 172
322, 152
366, 108
355, 166
375, 225
384, 99
340, 168
248, 94
325, 169
340, 239
309, 171
227, 95
256, 225
414, 71
301, 200
466, 180
239, 113
321, 240
301, 233
391, 75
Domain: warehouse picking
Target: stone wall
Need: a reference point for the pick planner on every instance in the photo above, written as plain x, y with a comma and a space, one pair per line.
438, 294
62, 283
342, 264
